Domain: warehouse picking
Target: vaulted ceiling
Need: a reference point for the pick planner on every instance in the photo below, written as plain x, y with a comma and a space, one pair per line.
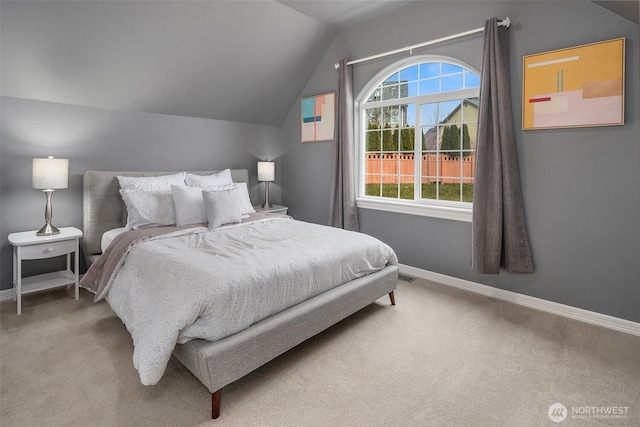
244, 61
224, 60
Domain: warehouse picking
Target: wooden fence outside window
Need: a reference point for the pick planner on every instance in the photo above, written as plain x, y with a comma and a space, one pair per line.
394, 168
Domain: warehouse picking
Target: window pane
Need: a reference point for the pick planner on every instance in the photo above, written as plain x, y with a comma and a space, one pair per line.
374, 187
390, 187
408, 115
389, 138
429, 114
373, 166
429, 69
390, 92
471, 80
430, 166
406, 166
449, 112
467, 190
391, 115
430, 138
409, 74
468, 165
404, 89
450, 140
470, 124
374, 139
451, 69
470, 111
391, 80
412, 89
453, 82
468, 142
429, 86
450, 168
375, 96
406, 189
374, 118
407, 139
429, 189
449, 191
390, 191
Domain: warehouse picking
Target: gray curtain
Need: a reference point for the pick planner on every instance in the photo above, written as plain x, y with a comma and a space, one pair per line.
499, 231
343, 212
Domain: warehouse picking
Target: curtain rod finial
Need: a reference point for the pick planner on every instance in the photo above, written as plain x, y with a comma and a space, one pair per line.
337, 65
506, 22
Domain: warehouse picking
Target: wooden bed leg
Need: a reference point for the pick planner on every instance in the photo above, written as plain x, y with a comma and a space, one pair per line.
215, 404
392, 297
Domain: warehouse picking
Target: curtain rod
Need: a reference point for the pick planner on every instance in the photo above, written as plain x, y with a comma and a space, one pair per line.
504, 23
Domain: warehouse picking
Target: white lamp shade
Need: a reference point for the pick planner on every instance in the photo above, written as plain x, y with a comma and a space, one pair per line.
50, 174
266, 171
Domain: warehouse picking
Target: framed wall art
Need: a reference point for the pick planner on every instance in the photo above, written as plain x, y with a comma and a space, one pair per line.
574, 87
318, 117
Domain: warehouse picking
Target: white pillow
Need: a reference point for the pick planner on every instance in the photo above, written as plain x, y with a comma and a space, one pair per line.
151, 183
214, 180
223, 207
245, 200
243, 195
189, 204
148, 208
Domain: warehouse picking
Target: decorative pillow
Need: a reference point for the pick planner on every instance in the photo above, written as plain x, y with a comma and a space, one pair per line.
223, 207
189, 204
243, 195
151, 183
214, 180
148, 208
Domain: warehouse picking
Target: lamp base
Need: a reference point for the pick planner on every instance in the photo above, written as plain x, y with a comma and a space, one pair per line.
48, 230
266, 204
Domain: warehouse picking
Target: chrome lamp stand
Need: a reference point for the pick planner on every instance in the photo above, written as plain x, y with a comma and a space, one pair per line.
48, 229
266, 204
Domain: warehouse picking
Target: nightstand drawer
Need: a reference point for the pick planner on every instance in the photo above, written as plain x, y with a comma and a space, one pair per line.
48, 250
272, 209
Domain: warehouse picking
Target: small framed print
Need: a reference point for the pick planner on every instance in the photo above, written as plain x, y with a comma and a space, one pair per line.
318, 117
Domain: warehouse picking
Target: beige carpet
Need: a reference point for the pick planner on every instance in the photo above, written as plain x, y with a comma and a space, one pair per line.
441, 357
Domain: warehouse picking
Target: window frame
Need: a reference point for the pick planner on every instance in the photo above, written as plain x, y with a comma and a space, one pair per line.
453, 210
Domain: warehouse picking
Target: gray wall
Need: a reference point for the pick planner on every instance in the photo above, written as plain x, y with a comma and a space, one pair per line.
100, 139
581, 186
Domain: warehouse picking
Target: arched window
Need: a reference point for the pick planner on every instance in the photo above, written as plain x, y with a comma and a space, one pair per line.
418, 123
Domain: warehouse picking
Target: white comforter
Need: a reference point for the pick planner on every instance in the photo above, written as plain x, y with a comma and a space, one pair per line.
211, 284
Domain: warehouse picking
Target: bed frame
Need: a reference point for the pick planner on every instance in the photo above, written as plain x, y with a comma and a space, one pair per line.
217, 364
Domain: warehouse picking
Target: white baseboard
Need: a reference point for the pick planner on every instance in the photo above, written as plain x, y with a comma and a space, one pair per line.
586, 316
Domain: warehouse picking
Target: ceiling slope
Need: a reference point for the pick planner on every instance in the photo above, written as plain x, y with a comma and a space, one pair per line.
628, 9
241, 61
343, 13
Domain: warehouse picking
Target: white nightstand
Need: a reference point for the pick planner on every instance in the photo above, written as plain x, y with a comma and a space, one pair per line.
26, 246
273, 209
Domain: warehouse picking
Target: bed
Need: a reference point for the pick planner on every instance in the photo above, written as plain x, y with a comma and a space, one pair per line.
233, 353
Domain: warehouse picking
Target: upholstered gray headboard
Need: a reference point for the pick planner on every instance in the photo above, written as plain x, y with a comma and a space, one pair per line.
104, 210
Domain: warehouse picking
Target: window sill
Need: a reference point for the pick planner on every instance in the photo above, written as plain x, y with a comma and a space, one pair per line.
410, 208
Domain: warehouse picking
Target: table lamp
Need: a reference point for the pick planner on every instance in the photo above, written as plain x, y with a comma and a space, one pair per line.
49, 174
266, 173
